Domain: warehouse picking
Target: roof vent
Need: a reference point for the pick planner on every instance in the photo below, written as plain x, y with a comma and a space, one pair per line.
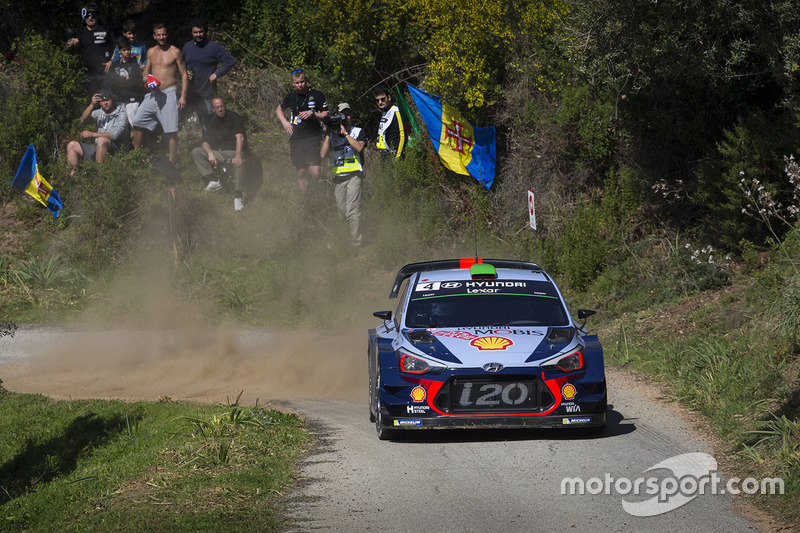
482, 271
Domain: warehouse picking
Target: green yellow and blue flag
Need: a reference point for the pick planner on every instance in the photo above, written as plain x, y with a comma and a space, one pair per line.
31, 181
463, 148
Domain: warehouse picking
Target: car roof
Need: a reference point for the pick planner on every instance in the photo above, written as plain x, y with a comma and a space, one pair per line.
464, 275
458, 269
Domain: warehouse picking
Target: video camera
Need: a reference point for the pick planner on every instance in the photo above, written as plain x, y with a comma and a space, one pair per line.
334, 119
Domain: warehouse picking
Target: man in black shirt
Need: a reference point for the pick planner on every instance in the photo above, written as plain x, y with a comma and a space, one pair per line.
307, 107
96, 43
124, 79
224, 139
206, 61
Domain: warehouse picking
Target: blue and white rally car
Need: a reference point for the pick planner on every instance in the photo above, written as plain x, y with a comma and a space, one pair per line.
482, 343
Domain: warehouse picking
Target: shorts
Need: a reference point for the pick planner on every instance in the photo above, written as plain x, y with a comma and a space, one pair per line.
90, 150
305, 152
158, 107
130, 111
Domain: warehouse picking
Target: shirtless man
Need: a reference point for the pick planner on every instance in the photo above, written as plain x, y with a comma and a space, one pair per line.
161, 105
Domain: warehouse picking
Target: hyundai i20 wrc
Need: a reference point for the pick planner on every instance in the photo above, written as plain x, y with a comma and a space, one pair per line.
482, 343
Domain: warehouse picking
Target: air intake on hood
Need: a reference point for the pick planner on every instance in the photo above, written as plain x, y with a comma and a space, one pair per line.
560, 334
420, 337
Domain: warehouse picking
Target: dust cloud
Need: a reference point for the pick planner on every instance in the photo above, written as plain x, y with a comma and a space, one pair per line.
163, 328
202, 364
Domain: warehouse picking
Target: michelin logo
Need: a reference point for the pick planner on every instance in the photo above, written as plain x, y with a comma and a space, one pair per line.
568, 421
408, 422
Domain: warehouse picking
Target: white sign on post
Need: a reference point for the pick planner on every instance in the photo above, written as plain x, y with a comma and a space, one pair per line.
531, 210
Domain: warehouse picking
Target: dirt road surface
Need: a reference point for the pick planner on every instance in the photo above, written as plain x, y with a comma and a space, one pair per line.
434, 481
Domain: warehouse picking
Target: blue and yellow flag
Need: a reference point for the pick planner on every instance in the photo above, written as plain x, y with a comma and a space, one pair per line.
464, 149
29, 180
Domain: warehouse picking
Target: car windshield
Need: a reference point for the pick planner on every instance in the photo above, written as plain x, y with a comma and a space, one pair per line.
485, 310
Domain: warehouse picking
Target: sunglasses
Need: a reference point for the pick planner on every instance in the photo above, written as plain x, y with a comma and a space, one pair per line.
381, 99
297, 71
90, 16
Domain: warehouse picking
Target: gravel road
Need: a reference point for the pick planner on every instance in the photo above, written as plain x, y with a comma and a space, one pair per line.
434, 481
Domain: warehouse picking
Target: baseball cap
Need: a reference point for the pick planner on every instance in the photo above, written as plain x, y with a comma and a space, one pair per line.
343, 106
152, 82
104, 96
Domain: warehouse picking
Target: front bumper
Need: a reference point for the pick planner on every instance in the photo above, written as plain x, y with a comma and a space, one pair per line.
493, 422
549, 402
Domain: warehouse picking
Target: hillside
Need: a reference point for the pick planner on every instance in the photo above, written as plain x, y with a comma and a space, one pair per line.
658, 138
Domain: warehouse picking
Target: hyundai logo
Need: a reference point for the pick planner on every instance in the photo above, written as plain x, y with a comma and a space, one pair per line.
493, 367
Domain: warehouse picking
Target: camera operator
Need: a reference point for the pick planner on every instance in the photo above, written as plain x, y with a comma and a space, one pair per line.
346, 144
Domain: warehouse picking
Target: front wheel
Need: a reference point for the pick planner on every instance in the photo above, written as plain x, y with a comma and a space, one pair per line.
372, 391
384, 433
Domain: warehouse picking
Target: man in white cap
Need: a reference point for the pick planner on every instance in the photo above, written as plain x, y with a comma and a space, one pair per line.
346, 144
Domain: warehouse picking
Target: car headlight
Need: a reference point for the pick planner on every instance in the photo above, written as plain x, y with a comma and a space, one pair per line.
566, 363
414, 364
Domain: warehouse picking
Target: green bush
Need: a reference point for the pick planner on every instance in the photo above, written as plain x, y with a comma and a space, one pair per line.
753, 149
586, 244
39, 97
406, 193
590, 120
104, 204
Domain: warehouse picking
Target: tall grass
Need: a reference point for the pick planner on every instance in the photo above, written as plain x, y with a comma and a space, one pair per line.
777, 444
48, 272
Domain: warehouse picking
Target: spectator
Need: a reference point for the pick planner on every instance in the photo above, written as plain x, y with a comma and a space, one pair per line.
95, 41
206, 61
346, 144
124, 79
138, 48
307, 107
162, 104
391, 133
112, 131
223, 139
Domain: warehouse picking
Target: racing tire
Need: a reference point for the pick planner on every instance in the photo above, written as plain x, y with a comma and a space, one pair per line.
372, 388
598, 431
383, 432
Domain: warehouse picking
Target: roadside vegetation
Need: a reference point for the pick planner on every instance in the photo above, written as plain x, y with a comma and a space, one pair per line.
660, 139
91, 465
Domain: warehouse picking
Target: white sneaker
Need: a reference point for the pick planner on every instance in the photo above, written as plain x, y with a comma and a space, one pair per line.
238, 204
213, 186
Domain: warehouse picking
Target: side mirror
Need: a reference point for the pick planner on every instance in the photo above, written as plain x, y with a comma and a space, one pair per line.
383, 315
583, 314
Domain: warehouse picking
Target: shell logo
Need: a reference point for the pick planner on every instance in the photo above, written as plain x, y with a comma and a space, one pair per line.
568, 391
491, 343
418, 394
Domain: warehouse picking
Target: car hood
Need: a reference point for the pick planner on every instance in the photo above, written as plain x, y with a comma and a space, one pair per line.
473, 347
